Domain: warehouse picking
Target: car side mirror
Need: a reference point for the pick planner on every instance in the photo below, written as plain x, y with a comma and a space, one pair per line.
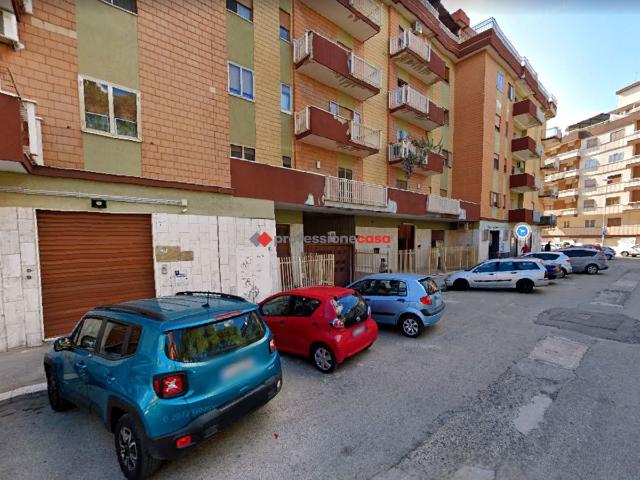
63, 343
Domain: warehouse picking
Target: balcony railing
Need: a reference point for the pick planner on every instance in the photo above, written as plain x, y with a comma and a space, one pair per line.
363, 135
407, 39
407, 103
443, 205
617, 230
400, 150
353, 192
526, 148
527, 114
553, 132
549, 192
612, 145
406, 95
363, 70
415, 55
560, 175
431, 165
571, 192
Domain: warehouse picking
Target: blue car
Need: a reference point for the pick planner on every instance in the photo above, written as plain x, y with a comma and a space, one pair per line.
407, 300
165, 374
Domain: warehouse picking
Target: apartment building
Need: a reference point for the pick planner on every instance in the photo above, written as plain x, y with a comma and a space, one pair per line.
172, 159
114, 162
593, 180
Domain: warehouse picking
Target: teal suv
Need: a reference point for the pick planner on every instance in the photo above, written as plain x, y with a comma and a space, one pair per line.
165, 374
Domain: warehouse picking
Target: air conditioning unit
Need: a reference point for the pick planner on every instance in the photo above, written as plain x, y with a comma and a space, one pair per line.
32, 126
417, 27
8, 28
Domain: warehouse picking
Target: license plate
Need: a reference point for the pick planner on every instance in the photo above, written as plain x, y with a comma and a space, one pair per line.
359, 331
237, 368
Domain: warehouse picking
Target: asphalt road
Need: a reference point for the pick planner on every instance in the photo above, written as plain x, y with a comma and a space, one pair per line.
507, 386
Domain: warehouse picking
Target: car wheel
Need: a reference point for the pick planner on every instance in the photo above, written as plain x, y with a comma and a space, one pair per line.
624, 254
56, 401
563, 273
135, 461
323, 359
524, 286
461, 284
411, 326
592, 269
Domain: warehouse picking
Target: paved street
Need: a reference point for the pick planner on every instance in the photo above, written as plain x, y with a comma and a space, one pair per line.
507, 386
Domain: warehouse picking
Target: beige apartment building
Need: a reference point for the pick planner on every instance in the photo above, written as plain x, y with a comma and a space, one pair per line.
592, 184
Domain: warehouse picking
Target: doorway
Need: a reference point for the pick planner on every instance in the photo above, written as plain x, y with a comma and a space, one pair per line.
494, 244
406, 236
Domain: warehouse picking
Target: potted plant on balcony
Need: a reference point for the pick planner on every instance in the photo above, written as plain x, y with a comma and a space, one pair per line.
419, 154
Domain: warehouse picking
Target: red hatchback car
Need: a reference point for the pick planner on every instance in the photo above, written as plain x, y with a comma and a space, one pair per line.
325, 324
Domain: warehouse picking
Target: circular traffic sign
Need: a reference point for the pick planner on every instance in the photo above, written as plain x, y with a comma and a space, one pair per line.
522, 231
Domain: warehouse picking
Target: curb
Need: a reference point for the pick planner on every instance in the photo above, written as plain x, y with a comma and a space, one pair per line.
16, 394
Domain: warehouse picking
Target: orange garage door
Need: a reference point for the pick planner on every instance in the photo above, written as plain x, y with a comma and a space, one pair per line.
89, 259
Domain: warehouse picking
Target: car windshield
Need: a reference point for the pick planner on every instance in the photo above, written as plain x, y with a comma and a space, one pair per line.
429, 286
350, 309
202, 342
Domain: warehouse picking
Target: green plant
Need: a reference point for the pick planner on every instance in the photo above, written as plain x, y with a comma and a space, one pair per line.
420, 153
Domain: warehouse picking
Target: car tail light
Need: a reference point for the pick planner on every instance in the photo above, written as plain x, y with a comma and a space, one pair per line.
546, 274
337, 323
368, 311
272, 344
426, 300
170, 386
569, 261
184, 441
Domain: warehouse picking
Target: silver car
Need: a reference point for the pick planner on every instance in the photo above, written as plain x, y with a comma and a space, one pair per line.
519, 273
586, 260
554, 258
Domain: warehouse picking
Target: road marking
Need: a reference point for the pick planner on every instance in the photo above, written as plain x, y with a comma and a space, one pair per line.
559, 351
29, 389
474, 473
531, 414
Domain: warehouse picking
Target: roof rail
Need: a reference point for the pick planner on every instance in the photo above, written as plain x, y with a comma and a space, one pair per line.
211, 294
132, 309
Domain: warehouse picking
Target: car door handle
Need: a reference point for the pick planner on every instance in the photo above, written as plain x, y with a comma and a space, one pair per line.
109, 377
401, 300
81, 365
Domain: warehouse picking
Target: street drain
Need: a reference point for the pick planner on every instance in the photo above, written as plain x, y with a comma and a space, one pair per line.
610, 326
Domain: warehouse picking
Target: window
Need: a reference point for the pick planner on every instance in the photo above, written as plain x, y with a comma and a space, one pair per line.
202, 342
365, 287
350, 309
616, 157
496, 161
134, 339
504, 201
88, 333
511, 92
500, 82
243, 153
506, 129
388, 288
128, 5
566, 224
614, 222
277, 307
402, 184
591, 163
333, 108
241, 81
589, 204
243, 9
119, 340
109, 109
612, 201
345, 173
528, 266
494, 199
286, 162
304, 307
498, 121
285, 26
592, 142
590, 183
506, 266
589, 223
617, 135
612, 179
285, 98
487, 267
402, 134
443, 192
429, 285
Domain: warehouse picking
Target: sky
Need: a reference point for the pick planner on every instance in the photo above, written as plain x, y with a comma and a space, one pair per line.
583, 50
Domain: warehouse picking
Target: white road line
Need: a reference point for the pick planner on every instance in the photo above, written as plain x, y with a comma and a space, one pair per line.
18, 392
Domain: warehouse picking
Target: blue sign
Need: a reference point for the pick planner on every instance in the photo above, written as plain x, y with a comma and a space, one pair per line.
522, 231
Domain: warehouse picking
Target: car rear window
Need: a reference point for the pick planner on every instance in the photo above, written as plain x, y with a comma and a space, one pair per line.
200, 343
351, 309
429, 285
528, 266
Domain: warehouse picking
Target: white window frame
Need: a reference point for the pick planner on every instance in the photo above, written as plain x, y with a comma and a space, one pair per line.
112, 121
253, 82
110, 3
243, 147
282, 84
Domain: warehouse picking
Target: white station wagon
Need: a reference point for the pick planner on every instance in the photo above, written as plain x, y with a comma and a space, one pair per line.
518, 273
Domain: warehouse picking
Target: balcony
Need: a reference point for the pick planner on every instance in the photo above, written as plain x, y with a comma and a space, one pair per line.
552, 137
354, 194
548, 192
361, 19
524, 182
324, 129
521, 215
632, 184
433, 164
329, 63
443, 205
415, 55
549, 220
562, 175
525, 148
21, 138
410, 105
571, 192
527, 114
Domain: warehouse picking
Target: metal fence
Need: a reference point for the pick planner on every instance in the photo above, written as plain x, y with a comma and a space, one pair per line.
430, 261
306, 270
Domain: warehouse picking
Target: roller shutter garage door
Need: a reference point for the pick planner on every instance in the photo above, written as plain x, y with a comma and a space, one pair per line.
89, 259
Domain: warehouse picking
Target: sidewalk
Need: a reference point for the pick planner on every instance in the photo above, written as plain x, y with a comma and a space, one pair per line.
21, 372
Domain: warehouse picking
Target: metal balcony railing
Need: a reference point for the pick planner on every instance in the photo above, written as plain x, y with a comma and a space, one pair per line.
354, 192
447, 206
405, 95
363, 135
364, 71
408, 39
